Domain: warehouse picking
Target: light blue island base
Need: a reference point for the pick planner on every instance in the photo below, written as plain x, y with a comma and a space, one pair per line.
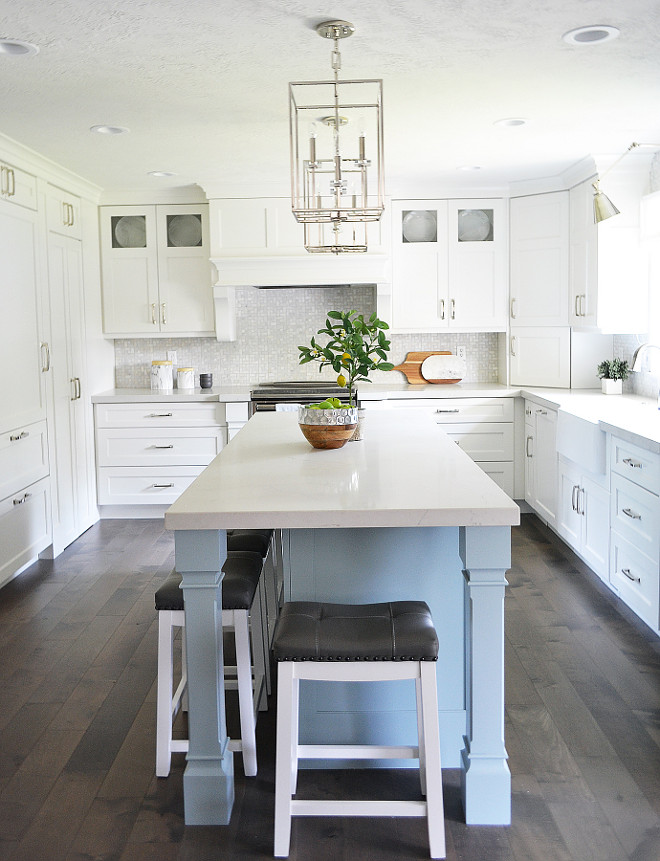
446, 567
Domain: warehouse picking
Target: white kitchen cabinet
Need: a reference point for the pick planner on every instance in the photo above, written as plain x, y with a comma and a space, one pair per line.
583, 281
23, 457
23, 351
540, 356
24, 527
541, 460
63, 212
73, 491
482, 427
635, 535
148, 453
583, 516
449, 265
539, 239
156, 271
17, 186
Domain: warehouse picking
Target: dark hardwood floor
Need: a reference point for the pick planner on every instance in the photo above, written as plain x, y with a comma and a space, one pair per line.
78, 666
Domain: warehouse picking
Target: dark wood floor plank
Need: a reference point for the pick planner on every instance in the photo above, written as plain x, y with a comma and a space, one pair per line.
77, 660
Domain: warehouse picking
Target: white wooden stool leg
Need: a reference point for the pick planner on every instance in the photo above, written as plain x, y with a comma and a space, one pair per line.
420, 735
287, 721
434, 801
245, 694
164, 693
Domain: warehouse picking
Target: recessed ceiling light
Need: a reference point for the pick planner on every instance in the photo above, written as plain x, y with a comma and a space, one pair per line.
469, 167
109, 130
592, 35
160, 173
511, 122
17, 48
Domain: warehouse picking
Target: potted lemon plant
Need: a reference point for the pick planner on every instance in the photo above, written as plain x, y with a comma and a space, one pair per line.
354, 347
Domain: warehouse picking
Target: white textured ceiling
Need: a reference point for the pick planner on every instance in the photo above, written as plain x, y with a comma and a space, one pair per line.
202, 85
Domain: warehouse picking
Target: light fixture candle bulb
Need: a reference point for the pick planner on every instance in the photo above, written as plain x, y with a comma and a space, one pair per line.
312, 148
362, 147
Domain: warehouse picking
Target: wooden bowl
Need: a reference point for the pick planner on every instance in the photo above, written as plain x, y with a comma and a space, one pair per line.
327, 428
328, 436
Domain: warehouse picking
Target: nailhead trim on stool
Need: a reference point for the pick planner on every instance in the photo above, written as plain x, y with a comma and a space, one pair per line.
356, 643
242, 572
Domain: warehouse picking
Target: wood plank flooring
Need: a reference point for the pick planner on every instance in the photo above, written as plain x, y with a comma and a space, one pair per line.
77, 715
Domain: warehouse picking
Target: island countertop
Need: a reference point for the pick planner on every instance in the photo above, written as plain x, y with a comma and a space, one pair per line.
405, 472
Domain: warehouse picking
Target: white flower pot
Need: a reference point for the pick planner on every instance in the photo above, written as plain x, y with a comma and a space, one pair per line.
612, 387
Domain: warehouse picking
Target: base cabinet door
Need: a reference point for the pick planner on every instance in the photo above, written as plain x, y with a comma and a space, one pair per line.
541, 461
583, 519
24, 527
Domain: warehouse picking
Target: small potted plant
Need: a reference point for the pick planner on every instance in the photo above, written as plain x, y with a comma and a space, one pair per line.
355, 347
612, 373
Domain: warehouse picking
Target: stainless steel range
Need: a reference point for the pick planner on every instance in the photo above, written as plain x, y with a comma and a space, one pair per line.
266, 396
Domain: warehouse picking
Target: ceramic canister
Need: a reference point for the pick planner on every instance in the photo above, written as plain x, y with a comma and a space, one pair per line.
185, 378
161, 375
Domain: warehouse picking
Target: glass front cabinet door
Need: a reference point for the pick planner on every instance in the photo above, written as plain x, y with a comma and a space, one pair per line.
449, 265
156, 270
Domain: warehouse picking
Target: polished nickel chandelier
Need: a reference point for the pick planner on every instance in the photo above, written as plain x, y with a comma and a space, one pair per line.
336, 135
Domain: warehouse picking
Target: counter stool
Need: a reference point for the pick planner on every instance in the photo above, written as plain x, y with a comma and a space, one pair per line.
356, 643
242, 572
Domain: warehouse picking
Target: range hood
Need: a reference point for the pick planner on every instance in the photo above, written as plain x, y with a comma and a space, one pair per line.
311, 270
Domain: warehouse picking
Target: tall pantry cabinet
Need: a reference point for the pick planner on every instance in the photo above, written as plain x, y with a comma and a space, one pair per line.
47, 490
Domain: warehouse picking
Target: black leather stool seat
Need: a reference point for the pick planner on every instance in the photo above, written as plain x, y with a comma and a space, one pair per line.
395, 631
242, 570
256, 540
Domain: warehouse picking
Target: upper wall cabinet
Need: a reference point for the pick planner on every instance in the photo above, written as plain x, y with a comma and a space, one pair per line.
156, 271
540, 260
609, 276
449, 265
18, 186
63, 212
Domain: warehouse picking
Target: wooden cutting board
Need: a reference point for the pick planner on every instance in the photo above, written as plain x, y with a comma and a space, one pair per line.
412, 364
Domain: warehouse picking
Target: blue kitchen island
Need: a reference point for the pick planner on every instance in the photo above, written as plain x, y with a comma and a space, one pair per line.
400, 514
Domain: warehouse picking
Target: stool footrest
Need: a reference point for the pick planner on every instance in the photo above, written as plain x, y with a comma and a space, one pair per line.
358, 808
356, 751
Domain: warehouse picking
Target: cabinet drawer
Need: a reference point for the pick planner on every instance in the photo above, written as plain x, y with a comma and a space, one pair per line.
158, 446
637, 464
636, 579
501, 473
635, 515
160, 415
483, 441
144, 485
24, 527
451, 410
23, 457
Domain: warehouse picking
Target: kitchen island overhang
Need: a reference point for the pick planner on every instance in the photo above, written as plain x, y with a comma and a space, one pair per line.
401, 513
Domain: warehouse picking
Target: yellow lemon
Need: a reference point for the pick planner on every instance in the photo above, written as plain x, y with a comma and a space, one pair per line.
341, 380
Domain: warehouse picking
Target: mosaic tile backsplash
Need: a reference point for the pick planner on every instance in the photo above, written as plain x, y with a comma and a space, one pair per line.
270, 326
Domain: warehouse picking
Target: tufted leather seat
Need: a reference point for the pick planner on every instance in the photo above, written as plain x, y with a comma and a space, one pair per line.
395, 631
242, 570
385, 642
255, 540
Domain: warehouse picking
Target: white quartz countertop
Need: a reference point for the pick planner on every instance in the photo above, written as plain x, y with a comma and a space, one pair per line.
222, 394
405, 472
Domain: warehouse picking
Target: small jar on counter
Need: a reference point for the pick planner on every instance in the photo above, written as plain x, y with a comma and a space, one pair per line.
185, 378
162, 379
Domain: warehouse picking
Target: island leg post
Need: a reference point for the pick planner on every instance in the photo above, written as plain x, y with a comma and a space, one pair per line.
208, 781
485, 777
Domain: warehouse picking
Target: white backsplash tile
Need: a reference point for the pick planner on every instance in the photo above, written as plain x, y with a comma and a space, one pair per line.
270, 326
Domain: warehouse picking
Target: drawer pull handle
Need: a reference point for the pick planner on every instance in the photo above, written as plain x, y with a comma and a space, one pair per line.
20, 501
17, 436
633, 464
163, 446
627, 573
164, 485
632, 514
442, 309
440, 412
160, 415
